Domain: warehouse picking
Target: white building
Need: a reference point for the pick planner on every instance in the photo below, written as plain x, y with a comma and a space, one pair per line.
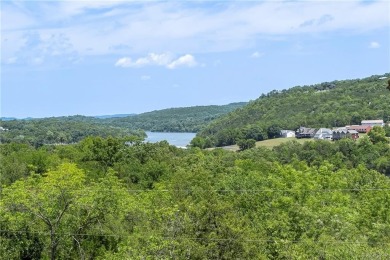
373, 123
287, 133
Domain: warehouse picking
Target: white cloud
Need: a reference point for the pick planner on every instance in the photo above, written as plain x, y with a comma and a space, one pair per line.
187, 60
163, 59
155, 59
124, 62
374, 45
95, 27
141, 62
145, 77
37, 48
257, 54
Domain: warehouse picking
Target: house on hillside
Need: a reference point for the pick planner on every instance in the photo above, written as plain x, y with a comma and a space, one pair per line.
305, 132
324, 133
353, 134
373, 123
287, 133
341, 133
359, 128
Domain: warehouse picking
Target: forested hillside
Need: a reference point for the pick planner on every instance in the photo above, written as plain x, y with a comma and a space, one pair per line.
72, 129
328, 104
184, 119
58, 130
105, 199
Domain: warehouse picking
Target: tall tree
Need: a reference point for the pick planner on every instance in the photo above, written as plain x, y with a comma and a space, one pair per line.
377, 135
63, 209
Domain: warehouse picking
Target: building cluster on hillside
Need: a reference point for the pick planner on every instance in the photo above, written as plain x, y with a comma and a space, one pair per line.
349, 131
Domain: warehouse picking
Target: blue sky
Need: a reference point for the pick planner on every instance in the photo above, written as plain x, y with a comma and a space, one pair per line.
116, 57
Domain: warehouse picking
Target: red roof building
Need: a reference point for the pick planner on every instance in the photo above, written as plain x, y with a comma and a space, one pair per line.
359, 128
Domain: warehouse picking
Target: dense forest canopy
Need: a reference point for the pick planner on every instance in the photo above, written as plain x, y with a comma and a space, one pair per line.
185, 119
105, 199
329, 104
60, 130
71, 129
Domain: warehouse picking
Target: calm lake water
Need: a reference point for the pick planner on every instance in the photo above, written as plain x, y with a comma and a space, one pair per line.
176, 139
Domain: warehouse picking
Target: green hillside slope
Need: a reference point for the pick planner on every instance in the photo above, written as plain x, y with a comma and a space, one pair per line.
328, 104
70, 129
63, 130
184, 119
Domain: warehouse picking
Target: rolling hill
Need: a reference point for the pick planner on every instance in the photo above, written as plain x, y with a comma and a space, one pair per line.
329, 104
70, 129
182, 119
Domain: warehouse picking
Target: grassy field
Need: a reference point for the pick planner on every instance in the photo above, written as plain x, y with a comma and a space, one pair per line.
270, 143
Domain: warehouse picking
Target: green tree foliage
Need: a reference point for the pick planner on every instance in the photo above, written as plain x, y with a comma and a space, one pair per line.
60, 130
246, 144
104, 198
388, 84
21, 160
60, 212
387, 130
273, 131
106, 151
345, 153
377, 135
199, 142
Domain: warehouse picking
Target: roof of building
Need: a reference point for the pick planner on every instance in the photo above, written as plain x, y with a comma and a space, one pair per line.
372, 121
305, 130
340, 130
357, 126
324, 130
310, 131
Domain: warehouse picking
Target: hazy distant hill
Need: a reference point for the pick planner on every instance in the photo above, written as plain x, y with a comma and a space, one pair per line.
70, 117
70, 129
328, 104
114, 116
183, 119
14, 118
7, 118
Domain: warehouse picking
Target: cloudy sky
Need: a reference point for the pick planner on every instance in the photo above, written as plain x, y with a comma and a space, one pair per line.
116, 57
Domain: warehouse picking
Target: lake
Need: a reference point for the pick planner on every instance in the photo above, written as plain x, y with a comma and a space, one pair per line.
176, 139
